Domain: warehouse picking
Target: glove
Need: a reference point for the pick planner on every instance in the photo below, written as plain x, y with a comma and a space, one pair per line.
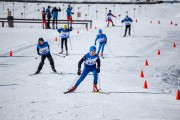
79, 71
72, 13
98, 70
106, 42
39, 54
95, 44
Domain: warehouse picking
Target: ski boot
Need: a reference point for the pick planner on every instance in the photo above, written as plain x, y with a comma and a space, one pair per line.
67, 53
72, 89
53, 69
101, 54
37, 72
61, 52
95, 89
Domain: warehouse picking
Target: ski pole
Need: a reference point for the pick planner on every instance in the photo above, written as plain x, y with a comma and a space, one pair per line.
36, 57
99, 82
121, 30
133, 30
110, 50
70, 41
59, 40
74, 81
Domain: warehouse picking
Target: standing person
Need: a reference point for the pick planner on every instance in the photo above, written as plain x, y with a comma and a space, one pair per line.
44, 18
90, 60
49, 17
69, 15
64, 36
44, 51
109, 18
102, 39
55, 16
127, 20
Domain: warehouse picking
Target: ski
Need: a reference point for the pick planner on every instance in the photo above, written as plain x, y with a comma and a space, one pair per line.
59, 55
33, 74
106, 93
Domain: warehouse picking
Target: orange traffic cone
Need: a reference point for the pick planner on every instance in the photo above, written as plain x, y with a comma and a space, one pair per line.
174, 46
142, 74
11, 53
145, 85
95, 27
178, 95
146, 63
87, 29
176, 24
159, 52
78, 32
55, 39
159, 22
151, 21
136, 20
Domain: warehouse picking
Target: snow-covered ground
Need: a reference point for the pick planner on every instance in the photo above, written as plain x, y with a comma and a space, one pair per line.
40, 97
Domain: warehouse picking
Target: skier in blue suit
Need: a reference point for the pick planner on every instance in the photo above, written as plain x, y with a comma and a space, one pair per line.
90, 60
127, 22
102, 39
64, 36
44, 51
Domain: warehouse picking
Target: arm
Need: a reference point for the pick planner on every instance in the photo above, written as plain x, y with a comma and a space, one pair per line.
95, 40
59, 30
38, 51
98, 63
113, 15
59, 9
81, 61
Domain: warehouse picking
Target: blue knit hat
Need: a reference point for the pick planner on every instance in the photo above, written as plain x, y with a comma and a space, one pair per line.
92, 48
100, 31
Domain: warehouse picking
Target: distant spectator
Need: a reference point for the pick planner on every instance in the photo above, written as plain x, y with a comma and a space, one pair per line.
49, 17
55, 16
69, 15
44, 18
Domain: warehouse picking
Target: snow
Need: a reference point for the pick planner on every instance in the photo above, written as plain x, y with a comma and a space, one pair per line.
40, 97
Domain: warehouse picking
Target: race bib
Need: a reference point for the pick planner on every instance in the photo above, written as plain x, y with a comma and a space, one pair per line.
91, 62
44, 50
101, 39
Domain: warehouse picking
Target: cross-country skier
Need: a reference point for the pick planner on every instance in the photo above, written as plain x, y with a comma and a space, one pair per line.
44, 18
55, 16
109, 18
44, 51
49, 17
102, 39
64, 36
69, 15
127, 22
90, 60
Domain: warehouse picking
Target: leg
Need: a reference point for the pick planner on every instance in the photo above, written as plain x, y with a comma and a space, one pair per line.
103, 44
125, 31
41, 63
68, 20
51, 61
62, 41
84, 74
71, 21
108, 23
112, 23
53, 23
56, 24
129, 30
65, 39
94, 71
99, 48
